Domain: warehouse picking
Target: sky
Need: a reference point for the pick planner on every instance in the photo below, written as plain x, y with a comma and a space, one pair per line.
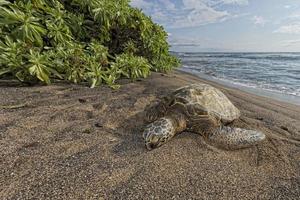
227, 25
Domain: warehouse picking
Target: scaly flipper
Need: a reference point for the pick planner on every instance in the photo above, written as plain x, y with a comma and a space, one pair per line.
234, 138
157, 110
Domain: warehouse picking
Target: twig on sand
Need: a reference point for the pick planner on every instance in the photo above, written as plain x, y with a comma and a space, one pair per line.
13, 106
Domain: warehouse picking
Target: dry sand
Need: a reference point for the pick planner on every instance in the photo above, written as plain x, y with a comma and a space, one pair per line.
72, 142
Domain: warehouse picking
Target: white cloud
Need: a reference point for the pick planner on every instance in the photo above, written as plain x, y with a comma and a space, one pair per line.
287, 6
141, 4
258, 20
292, 28
236, 2
197, 13
239, 2
294, 16
191, 13
168, 4
184, 41
288, 43
187, 41
216, 3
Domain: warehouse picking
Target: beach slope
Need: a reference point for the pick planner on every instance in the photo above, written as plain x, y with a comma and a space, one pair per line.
71, 142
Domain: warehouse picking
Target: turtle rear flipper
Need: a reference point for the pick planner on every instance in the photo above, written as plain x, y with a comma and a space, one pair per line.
234, 138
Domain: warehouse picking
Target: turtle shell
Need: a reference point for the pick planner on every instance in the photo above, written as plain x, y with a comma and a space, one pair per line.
200, 100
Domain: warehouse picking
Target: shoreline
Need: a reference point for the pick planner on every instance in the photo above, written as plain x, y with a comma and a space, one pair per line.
72, 142
286, 98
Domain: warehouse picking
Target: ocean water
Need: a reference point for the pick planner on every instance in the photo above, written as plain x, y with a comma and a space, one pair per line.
277, 73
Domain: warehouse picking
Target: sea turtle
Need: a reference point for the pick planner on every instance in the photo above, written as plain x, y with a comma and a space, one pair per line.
198, 108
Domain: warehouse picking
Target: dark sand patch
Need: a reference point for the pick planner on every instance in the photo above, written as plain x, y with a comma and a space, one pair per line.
72, 142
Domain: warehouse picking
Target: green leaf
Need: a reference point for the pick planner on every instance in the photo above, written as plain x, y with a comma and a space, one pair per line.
3, 2
4, 71
95, 41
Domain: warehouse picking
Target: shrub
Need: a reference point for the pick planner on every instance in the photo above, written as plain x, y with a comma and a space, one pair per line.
94, 40
132, 66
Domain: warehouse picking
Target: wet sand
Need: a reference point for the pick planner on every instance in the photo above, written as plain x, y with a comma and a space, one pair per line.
71, 142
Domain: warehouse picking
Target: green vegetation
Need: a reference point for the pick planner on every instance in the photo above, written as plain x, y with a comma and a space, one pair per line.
98, 41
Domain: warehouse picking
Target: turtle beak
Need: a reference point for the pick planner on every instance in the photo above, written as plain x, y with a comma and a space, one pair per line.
150, 146
152, 142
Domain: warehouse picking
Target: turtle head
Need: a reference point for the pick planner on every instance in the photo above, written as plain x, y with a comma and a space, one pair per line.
158, 133
155, 140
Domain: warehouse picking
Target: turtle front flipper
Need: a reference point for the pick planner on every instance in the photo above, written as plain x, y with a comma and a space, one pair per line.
234, 138
157, 110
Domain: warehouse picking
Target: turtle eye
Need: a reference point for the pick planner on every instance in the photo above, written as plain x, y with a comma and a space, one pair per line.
145, 134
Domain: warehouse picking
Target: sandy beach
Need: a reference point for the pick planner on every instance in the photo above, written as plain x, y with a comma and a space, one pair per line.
71, 142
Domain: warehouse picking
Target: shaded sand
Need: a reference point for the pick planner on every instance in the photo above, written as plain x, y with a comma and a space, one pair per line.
71, 142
